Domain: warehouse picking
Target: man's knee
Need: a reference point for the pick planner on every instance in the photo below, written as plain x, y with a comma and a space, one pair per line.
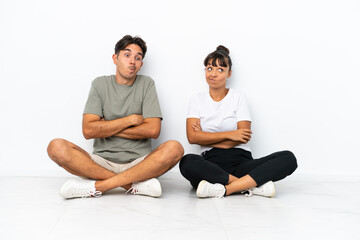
174, 149
57, 149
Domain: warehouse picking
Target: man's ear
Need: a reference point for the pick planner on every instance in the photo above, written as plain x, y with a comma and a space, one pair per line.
115, 57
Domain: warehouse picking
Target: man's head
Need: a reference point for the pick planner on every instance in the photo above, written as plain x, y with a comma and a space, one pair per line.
129, 53
127, 40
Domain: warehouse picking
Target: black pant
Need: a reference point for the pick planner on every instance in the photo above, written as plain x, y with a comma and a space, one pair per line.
216, 164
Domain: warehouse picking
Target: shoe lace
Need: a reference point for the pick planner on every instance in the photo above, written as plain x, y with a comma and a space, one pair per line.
96, 194
90, 194
131, 190
143, 188
248, 192
84, 192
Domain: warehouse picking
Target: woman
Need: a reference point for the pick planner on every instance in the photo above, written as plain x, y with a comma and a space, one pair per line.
219, 121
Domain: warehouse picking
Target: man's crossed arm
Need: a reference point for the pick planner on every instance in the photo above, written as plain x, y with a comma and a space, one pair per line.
130, 127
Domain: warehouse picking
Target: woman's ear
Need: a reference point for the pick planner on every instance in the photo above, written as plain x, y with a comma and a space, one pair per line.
229, 74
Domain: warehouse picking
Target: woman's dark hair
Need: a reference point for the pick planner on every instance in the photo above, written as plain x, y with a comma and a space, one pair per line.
126, 40
220, 55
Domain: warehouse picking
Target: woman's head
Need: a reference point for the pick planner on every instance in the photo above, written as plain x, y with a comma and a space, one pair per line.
218, 68
219, 56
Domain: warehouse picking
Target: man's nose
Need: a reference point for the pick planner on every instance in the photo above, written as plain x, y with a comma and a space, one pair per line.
132, 61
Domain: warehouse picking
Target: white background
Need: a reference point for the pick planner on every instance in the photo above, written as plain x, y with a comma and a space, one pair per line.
298, 61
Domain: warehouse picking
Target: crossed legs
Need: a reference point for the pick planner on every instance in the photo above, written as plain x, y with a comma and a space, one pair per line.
248, 174
78, 162
159, 161
195, 168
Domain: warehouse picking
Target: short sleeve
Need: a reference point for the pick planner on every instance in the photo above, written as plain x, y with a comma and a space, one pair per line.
151, 106
93, 104
243, 112
194, 107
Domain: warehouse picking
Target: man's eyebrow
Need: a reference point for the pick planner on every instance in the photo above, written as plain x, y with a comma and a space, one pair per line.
139, 53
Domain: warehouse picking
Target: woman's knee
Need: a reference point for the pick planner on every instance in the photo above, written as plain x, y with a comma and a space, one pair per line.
291, 160
187, 162
188, 168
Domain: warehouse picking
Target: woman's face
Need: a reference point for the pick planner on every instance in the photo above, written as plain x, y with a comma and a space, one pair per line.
216, 75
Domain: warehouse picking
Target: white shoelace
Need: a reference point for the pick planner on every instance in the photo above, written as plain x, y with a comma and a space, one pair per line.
84, 193
90, 194
133, 190
96, 194
144, 189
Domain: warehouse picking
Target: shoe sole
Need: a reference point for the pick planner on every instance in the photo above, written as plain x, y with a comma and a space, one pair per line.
200, 187
63, 189
274, 192
158, 194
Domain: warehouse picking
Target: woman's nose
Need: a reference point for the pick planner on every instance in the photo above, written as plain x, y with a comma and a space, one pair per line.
213, 73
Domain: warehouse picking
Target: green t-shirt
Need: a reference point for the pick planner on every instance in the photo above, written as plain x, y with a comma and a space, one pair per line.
110, 100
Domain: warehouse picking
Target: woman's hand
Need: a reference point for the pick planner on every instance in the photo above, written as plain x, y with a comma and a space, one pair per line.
242, 135
196, 126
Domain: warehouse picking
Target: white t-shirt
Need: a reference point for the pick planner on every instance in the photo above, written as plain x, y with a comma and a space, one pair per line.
220, 116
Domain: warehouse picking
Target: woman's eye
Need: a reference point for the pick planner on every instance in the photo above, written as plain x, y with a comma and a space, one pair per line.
221, 70
209, 68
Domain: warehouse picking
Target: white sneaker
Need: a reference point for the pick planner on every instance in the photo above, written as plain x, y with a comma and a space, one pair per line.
206, 189
266, 190
149, 187
76, 188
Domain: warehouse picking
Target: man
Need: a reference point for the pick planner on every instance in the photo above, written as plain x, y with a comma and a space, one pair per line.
122, 114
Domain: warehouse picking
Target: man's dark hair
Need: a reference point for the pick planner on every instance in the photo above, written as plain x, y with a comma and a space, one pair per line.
126, 40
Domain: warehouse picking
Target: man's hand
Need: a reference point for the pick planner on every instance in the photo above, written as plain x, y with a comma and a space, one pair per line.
136, 119
149, 128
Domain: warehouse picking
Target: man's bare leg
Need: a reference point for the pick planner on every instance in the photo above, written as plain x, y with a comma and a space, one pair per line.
162, 159
76, 161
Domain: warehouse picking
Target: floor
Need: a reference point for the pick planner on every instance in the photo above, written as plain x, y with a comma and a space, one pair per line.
304, 208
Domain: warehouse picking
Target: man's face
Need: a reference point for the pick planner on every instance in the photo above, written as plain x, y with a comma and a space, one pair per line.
128, 62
